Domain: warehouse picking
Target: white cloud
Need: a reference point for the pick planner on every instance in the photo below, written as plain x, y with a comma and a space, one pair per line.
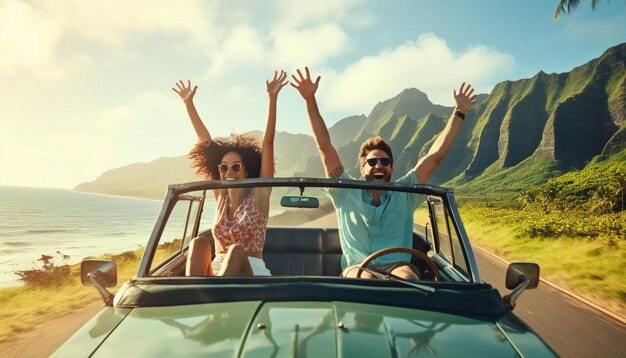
55, 39
114, 22
312, 46
300, 33
428, 64
27, 39
285, 47
243, 45
35, 35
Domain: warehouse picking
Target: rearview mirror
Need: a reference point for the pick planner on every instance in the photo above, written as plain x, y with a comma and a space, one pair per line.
105, 272
299, 202
519, 272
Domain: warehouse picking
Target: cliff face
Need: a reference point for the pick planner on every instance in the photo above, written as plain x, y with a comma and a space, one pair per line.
569, 117
528, 129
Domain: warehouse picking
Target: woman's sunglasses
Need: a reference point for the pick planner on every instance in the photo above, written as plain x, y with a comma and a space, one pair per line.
224, 167
383, 161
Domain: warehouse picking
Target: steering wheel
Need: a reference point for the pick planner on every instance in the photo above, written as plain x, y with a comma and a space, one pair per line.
420, 255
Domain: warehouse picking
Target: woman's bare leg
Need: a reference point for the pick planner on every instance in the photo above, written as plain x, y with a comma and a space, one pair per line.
199, 258
236, 262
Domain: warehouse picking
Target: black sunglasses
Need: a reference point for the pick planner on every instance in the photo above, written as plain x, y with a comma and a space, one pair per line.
383, 161
224, 167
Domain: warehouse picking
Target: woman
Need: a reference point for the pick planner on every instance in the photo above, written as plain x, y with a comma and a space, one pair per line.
241, 214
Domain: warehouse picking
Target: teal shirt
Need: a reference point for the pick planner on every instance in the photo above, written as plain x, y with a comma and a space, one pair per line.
365, 228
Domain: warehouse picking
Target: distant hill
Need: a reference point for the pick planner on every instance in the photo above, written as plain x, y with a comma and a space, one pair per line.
398, 120
143, 180
519, 135
150, 180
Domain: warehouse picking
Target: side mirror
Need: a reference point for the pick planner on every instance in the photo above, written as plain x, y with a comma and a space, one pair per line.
519, 277
104, 271
519, 272
299, 202
101, 274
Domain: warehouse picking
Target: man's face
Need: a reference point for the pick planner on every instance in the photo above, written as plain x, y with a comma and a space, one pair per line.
373, 168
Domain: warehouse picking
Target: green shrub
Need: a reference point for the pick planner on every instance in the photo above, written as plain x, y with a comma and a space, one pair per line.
532, 222
597, 189
48, 275
124, 256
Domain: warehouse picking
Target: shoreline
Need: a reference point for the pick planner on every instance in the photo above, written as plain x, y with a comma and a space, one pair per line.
149, 198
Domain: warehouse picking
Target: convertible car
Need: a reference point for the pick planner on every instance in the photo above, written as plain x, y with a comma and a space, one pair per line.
305, 309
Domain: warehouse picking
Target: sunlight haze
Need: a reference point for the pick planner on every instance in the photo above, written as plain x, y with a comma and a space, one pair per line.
86, 85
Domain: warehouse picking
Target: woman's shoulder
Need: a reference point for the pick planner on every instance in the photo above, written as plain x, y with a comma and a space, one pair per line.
261, 199
260, 193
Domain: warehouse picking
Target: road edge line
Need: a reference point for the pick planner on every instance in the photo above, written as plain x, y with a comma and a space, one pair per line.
584, 300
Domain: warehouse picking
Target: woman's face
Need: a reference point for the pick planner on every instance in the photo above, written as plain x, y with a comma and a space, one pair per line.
231, 167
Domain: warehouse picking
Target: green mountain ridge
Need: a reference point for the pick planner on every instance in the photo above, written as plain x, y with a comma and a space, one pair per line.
521, 134
568, 118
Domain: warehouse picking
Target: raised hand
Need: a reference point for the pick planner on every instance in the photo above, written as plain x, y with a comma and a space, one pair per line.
304, 85
275, 85
184, 91
463, 99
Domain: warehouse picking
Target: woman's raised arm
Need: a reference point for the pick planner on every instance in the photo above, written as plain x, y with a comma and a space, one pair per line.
267, 147
186, 94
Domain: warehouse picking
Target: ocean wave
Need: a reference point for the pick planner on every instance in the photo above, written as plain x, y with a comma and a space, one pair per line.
11, 226
49, 231
9, 252
113, 234
17, 243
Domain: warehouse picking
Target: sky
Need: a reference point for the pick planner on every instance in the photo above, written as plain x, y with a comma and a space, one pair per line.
85, 86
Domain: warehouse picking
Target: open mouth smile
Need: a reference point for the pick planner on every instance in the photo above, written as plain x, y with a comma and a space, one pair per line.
379, 175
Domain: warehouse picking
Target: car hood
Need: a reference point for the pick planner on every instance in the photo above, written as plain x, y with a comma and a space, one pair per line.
313, 329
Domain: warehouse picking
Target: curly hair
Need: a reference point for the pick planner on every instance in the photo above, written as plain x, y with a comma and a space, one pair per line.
206, 155
371, 144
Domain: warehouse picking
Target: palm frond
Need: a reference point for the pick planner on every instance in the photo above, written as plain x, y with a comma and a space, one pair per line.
565, 6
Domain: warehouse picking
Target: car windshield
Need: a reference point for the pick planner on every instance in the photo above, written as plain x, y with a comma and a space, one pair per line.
307, 219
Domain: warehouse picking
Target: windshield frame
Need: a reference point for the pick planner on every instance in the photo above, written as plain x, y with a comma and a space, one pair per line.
175, 191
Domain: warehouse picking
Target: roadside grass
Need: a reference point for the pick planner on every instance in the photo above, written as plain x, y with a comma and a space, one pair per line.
592, 267
25, 307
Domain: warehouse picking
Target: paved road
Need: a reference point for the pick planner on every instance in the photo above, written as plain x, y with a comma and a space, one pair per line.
570, 327
47, 337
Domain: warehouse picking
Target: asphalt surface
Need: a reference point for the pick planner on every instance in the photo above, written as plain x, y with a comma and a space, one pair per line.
572, 328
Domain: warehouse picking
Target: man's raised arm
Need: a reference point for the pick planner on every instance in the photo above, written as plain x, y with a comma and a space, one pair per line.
463, 100
328, 153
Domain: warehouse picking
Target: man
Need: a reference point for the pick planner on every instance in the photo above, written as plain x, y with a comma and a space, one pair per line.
373, 220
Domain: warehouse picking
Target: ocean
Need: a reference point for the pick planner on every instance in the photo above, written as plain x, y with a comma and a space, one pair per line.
56, 222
